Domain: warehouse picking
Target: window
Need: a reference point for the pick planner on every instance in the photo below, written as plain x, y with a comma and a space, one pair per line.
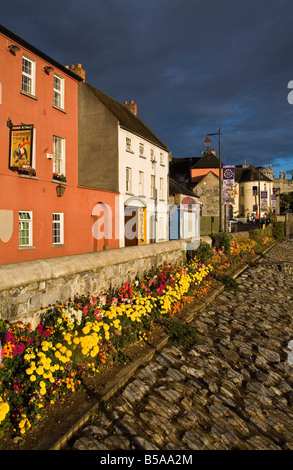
58, 92
128, 144
28, 76
58, 228
161, 158
141, 183
153, 186
152, 155
25, 228
242, 191
161, 188
128, 180
254, 190
141, 150
58, 155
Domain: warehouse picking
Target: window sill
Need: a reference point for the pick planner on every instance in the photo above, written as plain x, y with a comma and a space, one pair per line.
58, 245
59, 109
129, 194
26, 248
29, 177
162, 164
64, 183
141, 195
142, 156
28, 95
129, 151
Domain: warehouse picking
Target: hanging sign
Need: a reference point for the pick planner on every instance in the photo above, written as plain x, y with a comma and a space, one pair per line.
20, 154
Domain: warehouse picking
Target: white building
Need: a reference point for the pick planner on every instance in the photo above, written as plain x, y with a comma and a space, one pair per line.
119, 153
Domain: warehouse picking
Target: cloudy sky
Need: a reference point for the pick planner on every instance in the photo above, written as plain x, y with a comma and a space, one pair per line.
192, 66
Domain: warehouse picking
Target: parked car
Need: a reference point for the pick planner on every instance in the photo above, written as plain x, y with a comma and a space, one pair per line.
235, 221
251, 216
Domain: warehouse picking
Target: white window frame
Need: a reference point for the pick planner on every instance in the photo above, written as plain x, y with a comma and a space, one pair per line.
58, 96
58, 228
141, 183
58, 155
128, 143
28, 78
162, 159
25, 224
128, 180
141, 149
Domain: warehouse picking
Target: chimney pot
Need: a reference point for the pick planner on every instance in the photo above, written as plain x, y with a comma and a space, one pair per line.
131, 106
78, 70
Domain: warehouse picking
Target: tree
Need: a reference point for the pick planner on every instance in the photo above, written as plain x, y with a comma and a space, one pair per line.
286, 202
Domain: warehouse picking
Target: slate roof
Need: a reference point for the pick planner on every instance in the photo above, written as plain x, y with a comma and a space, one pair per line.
182, 165
127, 119
209, 160
250, 173
176, 188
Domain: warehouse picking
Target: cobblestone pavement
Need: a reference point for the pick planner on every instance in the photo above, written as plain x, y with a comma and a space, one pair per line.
232, 391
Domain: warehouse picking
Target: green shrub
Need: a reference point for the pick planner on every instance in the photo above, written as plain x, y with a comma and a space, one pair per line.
222, 240
180, 333
278, 229
204, 252
229, 282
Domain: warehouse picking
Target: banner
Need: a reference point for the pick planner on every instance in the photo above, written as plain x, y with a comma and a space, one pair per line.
141, 222
263, 200
273, 201
20, 148
228, 184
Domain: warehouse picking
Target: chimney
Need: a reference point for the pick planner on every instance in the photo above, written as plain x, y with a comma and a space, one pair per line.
78, 70
131, 106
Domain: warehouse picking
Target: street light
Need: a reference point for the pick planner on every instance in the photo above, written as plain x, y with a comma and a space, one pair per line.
207, 141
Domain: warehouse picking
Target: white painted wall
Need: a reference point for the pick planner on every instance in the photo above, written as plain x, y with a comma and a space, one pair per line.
138, 161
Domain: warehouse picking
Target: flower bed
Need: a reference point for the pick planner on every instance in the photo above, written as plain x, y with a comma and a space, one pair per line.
89, 333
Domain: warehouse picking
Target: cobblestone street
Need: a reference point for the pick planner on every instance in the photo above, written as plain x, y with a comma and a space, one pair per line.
234, 390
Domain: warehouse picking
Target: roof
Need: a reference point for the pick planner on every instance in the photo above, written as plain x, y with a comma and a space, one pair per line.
250, 173
127, 119
209, 160
182, 165
176, 188
39, 53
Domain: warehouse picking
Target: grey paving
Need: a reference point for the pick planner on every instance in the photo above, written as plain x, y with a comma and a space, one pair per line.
234, 390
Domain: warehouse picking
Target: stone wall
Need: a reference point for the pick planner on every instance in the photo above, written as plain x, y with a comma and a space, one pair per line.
26, 288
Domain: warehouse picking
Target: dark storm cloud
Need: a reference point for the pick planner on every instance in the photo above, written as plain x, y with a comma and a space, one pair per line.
190, 65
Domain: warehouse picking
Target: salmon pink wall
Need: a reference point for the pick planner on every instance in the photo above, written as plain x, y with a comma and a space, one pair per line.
194, 173
38, 194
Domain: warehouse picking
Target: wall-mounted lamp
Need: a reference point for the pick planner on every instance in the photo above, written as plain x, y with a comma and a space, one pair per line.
48, 69
60, 190
9, 123
13, 48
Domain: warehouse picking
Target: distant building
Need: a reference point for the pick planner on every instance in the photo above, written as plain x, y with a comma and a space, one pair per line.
253, 191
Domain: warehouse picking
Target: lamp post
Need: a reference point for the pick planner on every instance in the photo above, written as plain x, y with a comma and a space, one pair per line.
207, 141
